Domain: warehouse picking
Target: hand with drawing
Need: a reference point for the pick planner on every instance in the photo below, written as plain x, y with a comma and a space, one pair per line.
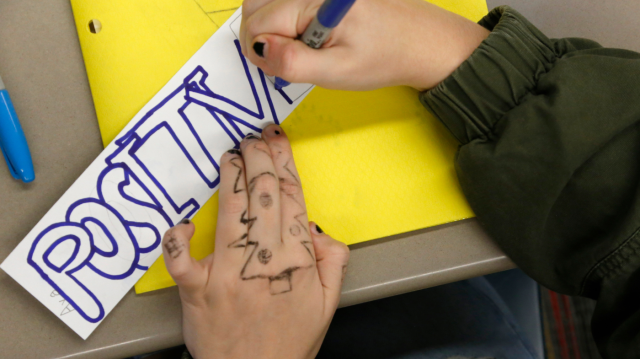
273, 283
378, 43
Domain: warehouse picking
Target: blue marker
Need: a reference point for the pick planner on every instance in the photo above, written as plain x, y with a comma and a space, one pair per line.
329, 16
12, 141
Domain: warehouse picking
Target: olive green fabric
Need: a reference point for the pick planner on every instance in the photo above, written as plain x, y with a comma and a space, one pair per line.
550, 163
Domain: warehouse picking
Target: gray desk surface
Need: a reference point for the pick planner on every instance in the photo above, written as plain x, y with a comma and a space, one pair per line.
41, 64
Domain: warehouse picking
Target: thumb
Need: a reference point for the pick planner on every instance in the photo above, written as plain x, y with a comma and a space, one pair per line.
332, 258
183, 268
294, 61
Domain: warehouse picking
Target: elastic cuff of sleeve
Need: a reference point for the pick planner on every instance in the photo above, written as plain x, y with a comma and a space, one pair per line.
494, 79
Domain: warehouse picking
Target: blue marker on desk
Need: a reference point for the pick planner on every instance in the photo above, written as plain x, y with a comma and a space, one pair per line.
329, 16
12, 141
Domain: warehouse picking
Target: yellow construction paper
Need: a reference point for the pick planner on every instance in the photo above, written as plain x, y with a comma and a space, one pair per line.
373, 164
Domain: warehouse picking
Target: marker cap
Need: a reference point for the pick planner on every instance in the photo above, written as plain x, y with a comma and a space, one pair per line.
13, 142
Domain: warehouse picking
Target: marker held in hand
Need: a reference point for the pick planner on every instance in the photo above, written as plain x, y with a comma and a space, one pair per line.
329, 16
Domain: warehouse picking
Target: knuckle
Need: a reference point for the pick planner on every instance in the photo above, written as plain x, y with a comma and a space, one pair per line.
224, 159
229, 163
234, 204
289, 186
255, 147
179, 273
252, 27
287, 63
341, 249
265, 184
248, 6
282, 154
261, 146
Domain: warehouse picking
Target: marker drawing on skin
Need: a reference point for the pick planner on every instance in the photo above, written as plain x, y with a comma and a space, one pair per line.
296, 217
281, 283
286, 167
265, 200
238, 243
235, 185
264, 256
247, 221
294, 230
174, 248
244, 267
255, 147
287, 186
291, 187
306, 246
252, 183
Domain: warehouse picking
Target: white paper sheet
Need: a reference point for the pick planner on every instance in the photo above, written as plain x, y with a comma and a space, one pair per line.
105, 231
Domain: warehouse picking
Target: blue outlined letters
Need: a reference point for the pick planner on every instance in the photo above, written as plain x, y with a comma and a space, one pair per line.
105, 231
136, 177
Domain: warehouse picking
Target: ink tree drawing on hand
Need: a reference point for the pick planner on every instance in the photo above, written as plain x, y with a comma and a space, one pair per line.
270, 189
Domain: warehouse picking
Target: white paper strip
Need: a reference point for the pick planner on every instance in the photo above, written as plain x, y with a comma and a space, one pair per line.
105, 231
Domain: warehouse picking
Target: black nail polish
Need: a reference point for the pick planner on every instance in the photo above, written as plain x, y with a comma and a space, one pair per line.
185, 221
258, 47
277, 132
319, 229
251, 136
234, 151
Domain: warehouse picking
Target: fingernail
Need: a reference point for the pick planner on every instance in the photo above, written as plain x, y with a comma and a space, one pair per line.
251, 136
319, 230
234, 151
185, 221
258, 47
272, 131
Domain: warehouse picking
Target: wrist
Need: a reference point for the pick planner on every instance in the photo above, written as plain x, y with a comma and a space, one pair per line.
442, 42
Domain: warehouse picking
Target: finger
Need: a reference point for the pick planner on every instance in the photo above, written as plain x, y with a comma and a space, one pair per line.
251, 6
248, 8
281, 17
295, 62
233, 214
332, 258
183, 268
292, 205
263, 191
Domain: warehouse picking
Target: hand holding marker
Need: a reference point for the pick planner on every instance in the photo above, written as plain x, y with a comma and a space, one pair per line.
329, 16
12, 141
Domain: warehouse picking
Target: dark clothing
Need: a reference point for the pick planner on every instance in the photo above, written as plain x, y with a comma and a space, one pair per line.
461, 320
550, 163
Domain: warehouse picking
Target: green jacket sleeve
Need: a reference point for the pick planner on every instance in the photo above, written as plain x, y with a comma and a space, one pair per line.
550, 163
